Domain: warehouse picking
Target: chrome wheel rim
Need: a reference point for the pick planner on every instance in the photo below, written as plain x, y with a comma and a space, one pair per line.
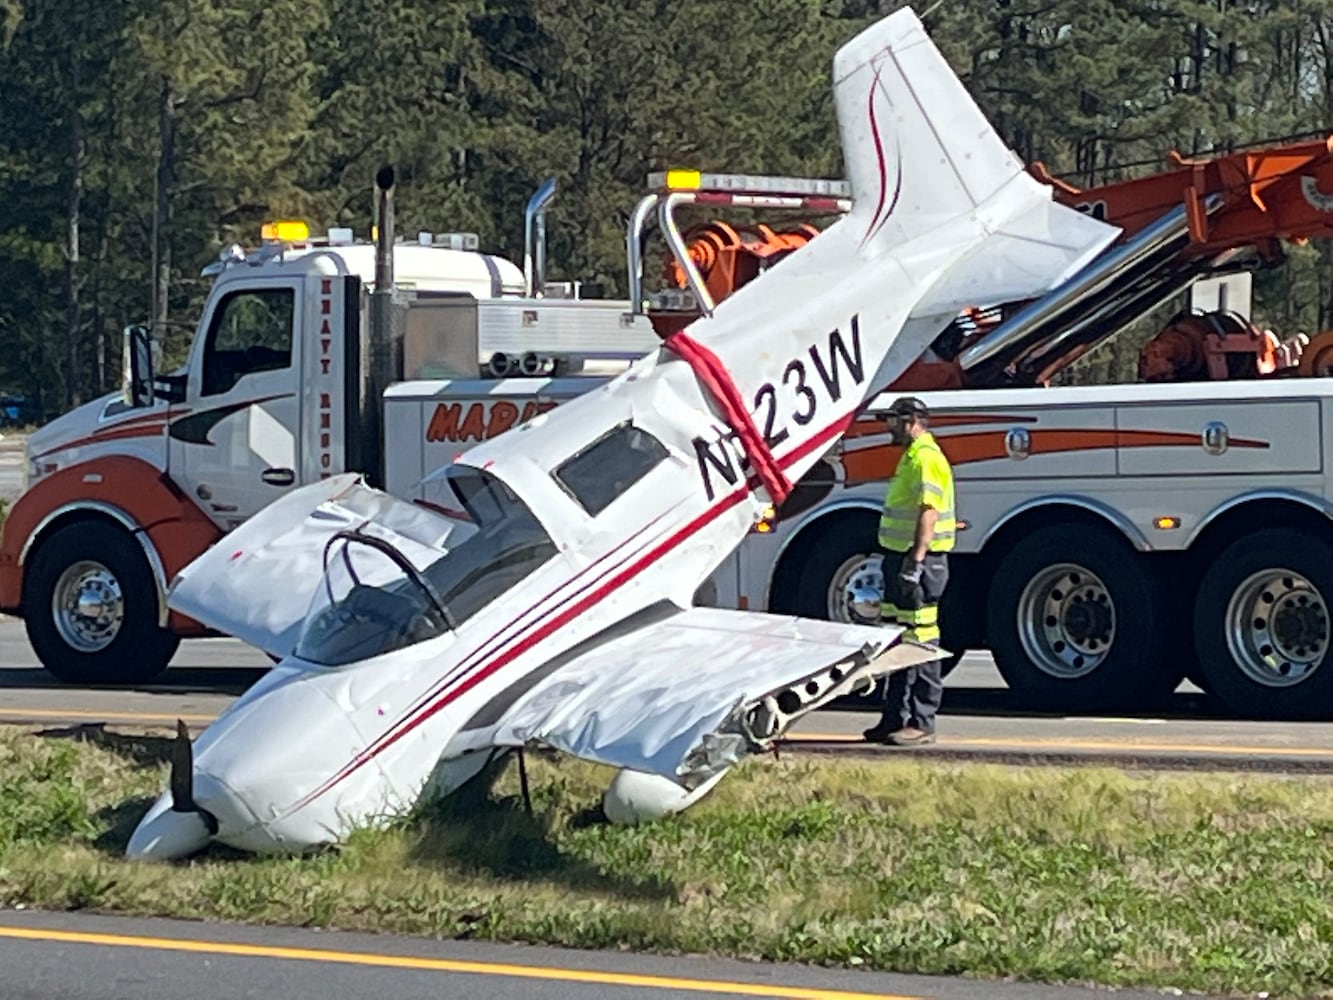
1066, 621
87, 606
1277, 627
856, 590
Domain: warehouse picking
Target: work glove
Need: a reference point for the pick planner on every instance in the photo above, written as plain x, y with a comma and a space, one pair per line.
911, 571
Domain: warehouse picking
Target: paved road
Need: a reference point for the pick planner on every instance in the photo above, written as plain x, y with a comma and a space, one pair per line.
47, 956
979, 719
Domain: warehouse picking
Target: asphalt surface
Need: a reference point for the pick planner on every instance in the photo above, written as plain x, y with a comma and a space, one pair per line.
979, 720
50, 956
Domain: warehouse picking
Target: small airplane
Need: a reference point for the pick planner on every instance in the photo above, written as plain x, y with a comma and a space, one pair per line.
541, 591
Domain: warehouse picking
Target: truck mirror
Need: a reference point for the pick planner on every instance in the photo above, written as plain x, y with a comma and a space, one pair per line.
137, 366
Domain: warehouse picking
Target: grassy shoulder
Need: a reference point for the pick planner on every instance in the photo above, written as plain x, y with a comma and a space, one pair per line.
1208, 882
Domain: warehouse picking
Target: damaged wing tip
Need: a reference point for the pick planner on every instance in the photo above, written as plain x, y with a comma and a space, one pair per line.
771, 715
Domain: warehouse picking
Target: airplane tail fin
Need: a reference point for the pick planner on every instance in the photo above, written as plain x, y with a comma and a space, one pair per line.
920, 156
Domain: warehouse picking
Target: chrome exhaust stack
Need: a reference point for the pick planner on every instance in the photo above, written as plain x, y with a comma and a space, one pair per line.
534, 239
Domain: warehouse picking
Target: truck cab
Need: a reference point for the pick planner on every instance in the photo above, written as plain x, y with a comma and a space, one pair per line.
283, 385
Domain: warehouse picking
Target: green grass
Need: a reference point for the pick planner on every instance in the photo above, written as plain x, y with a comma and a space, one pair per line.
1208, 882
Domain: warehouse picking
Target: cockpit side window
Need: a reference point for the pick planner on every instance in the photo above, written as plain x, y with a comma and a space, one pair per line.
609, 466
251, 332
510, 545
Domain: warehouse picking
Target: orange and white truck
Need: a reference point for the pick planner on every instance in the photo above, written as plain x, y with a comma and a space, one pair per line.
1117, 538
284, 384
1114, 539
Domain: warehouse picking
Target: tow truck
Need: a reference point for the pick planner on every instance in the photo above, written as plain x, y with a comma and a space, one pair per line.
296, 346
312, 356
1114, 538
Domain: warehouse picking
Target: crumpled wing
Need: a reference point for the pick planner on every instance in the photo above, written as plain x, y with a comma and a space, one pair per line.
257, 582
692, 693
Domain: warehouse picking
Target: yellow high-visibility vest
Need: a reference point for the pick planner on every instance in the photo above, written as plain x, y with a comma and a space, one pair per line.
923, 478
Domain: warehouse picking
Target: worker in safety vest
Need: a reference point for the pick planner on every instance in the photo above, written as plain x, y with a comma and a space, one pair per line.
916, 531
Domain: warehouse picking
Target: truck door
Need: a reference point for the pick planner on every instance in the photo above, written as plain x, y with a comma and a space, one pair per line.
236, 447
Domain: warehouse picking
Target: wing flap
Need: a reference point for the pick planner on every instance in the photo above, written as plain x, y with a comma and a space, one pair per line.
691, 695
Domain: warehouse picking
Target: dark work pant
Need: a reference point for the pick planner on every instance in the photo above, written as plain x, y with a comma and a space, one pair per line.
914, 695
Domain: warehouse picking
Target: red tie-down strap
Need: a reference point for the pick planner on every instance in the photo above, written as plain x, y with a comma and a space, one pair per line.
717, 380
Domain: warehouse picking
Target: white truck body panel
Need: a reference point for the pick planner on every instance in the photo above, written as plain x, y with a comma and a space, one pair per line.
1131, 453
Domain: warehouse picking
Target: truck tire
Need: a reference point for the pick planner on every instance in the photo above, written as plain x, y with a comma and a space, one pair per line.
90, 607
1262, 626
1077, 620
839, 577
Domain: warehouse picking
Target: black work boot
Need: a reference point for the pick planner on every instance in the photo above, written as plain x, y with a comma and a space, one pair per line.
880, 731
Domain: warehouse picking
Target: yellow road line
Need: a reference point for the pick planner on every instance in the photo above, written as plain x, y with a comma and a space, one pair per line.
963, 742
74, 715
551, 973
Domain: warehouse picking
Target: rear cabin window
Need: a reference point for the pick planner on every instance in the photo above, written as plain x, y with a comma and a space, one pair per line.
609, 466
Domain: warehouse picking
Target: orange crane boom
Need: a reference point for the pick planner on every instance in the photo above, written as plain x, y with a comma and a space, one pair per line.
1269, 195
1255, 199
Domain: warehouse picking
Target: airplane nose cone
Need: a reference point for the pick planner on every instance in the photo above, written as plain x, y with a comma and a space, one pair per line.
164, 835
256, 770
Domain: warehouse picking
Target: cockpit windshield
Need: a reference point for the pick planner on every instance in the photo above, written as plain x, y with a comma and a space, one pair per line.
380, 593
373, 601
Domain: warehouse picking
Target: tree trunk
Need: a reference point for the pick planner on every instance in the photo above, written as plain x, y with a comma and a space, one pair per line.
73, 381
166, 164
99, 312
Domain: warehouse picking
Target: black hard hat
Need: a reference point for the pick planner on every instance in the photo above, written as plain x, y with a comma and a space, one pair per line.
908, 406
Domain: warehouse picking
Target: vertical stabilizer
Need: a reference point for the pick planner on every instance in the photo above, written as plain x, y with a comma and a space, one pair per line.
921, 157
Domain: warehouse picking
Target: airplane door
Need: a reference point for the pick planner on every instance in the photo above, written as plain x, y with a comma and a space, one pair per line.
236, 446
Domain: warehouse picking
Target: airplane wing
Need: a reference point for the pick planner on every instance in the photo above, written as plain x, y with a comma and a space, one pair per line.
257, 582
688, 693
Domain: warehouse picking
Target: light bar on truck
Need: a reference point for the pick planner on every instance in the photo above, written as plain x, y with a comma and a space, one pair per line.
285, 231
756, 190
696, 180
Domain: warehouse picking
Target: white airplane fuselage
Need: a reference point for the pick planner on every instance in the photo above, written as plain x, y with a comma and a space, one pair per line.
310, 749
640, 488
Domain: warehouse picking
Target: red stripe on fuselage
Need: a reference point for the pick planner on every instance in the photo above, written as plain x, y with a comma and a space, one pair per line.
488, 646
445, 696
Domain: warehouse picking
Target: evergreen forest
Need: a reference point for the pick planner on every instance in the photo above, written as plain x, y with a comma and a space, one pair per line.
139, 137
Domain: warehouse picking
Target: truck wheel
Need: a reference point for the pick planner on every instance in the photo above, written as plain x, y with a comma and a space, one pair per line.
839, 577
1076, 620
1262, 625
90, 608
